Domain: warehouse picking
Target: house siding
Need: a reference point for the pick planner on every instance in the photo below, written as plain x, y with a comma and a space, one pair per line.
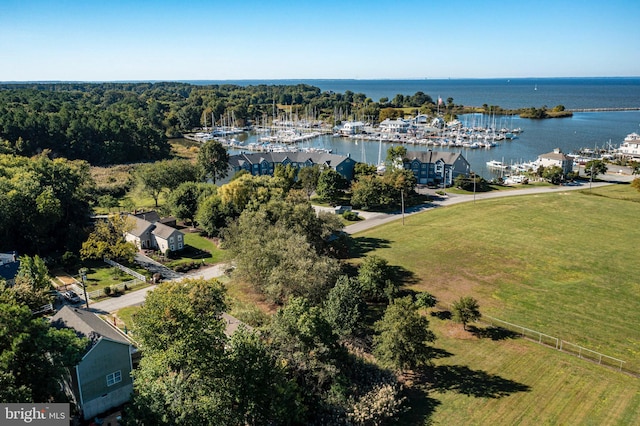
104, 358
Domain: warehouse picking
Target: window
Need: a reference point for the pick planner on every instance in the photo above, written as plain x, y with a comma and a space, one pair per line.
114, 378
172, 248
179, 237
171, 240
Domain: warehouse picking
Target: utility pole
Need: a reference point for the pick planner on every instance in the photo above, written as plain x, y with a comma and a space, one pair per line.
83, 274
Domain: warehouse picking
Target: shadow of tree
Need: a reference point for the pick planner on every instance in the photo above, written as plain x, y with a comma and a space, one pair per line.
493, 333
477, 383
402, 276
422, 407
443, 315
363, 245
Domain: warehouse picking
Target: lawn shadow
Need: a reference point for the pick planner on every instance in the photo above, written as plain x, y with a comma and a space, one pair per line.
421, 407
360, 246
477, 383
492, 332
402, 276
443, 315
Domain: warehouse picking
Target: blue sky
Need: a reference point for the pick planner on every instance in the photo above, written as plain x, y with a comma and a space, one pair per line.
217, 40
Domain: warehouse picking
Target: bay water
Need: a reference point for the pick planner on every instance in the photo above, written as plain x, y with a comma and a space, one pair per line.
596, 129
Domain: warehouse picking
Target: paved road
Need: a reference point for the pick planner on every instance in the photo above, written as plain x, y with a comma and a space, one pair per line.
377, 219
137, 297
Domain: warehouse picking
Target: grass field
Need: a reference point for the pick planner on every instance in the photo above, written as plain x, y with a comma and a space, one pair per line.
563, 264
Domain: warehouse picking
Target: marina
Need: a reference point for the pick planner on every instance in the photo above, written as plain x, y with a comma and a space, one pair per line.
583, 136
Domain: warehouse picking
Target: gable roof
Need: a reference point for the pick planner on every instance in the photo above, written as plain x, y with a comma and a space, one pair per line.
431, 157
163, 231
278, 157
86, 324
140, 226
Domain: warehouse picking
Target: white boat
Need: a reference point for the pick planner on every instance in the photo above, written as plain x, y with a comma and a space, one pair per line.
497, 165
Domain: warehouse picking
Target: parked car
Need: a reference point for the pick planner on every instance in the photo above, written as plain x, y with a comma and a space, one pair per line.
71, 296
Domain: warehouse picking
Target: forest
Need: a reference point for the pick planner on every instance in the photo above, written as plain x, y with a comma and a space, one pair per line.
116, 123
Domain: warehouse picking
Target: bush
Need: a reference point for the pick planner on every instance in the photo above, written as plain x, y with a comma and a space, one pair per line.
351, 216
107, 291
425, 300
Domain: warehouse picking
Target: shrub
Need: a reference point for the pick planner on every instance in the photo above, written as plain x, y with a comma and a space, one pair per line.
425, 300
107, 291
351, 216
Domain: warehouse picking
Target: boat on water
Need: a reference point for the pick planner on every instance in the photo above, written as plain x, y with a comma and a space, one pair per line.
497, 165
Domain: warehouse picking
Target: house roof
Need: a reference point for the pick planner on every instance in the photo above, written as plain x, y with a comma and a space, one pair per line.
86, 324
140, 226
150, 216
163, 231
554, 156
432, 156
278, 157
8, 271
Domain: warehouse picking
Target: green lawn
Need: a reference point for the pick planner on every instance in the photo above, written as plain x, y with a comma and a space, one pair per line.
564, 264
101, 275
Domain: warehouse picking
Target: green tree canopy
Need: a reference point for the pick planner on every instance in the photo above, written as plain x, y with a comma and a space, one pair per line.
466, 310
213, 160
107, 240
331, 186
593, 168
33, 355
344, 307
403, 336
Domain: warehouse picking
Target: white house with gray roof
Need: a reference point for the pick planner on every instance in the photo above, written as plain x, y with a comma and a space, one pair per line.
556, 158
154, 235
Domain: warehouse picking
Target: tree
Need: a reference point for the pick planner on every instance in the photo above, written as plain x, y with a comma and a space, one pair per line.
212, 215
181, 378
107, 240
465, 310
213, 160
303, 341
308, 178
395, 154
33, 355
184, 200
636, 183
32, 283
152, 178
331, 186
403, 336
374, 276
593, 168
285, 175
344, 307
553, 174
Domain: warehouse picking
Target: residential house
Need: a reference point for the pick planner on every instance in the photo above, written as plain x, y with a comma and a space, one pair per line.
102, 379
264, 163
153, 235
556, 158
436, 168
9, 265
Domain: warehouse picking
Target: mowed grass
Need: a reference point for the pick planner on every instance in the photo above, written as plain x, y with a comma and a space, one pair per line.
564, 264
514, 381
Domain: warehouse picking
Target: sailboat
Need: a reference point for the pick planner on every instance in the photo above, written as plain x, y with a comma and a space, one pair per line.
381, 166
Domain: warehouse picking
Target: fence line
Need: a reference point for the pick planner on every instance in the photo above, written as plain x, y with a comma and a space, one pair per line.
125, 269
563, 345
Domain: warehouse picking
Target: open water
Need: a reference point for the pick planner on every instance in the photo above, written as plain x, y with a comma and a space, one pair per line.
583, 130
